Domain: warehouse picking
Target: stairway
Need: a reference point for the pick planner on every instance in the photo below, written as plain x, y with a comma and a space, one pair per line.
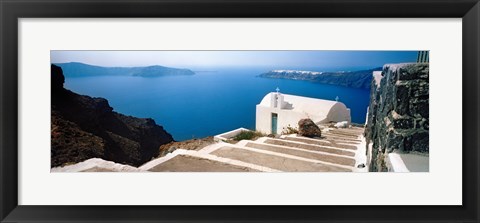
339, 150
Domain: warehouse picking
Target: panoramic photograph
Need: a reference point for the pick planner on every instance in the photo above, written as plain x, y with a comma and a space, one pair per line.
239, 111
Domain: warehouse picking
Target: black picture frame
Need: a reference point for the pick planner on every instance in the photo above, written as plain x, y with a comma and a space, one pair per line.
12, 10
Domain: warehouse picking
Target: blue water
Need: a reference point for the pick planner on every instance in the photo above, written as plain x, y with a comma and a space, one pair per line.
207, 103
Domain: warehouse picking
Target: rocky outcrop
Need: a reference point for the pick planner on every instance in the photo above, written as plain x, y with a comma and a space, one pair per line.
398, 115
307, 128
192, 144
75, 69
83, 127
356, 79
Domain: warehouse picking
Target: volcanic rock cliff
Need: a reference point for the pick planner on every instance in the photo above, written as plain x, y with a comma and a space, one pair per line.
83, 127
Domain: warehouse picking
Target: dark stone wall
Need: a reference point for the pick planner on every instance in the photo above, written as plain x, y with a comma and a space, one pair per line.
398, 112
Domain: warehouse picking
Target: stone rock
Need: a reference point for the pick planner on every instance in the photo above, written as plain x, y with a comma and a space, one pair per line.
401, 99
420, 89
423, 71
57, 78
420, 107
306, 127
404, 123
413, 71
408, 72
343, 124
192, 144
421, 124
425, 124
394, 141
420, 142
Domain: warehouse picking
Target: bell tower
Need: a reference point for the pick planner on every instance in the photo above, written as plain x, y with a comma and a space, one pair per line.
276, 100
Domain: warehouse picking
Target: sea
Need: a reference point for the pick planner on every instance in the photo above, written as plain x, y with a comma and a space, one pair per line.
212, 101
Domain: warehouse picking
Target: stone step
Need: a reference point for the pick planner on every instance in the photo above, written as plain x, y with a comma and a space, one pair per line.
186, 163
276, 161
198, 161
308, 147
343, 142
340, 135
309, 154
347, 132
340, 139
319, 142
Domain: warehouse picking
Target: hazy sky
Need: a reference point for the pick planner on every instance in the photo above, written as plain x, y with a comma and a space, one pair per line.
280, 59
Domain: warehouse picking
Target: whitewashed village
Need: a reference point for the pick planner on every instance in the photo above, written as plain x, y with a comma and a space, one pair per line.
301, 134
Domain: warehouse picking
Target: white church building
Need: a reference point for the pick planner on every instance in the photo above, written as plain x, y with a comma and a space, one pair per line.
276, 111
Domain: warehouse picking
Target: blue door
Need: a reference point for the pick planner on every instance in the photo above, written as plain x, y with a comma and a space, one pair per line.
274, 123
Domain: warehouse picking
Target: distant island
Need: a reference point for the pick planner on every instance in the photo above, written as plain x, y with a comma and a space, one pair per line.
356, 79
75, 69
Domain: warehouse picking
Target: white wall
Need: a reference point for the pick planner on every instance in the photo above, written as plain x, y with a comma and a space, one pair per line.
227, 135
337, 113
285, 117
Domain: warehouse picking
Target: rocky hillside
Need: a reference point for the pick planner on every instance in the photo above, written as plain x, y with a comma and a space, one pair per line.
81, 70
83, 127
398, 115
356, 79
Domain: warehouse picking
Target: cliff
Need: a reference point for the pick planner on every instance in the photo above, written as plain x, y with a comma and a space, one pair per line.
83, 127
398, 115
356, 79
75, 69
